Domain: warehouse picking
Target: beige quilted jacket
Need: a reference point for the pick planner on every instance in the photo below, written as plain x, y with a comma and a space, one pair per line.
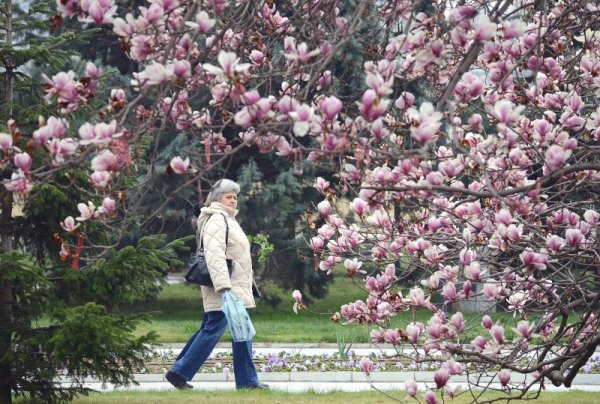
238, 249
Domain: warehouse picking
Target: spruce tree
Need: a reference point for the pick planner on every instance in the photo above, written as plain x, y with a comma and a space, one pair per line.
82, 332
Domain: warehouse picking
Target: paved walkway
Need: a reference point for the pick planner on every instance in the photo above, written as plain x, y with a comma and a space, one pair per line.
322, 382
350, 381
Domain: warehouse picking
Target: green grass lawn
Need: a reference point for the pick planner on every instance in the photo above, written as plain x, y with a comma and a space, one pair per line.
273, 397
178, 312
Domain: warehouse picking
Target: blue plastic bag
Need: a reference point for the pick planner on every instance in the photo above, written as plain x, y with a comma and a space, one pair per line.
240, 325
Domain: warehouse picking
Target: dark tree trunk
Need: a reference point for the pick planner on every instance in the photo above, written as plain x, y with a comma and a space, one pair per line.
6, 236
5, 299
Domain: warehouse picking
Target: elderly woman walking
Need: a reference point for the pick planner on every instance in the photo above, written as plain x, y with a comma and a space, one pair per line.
221, 237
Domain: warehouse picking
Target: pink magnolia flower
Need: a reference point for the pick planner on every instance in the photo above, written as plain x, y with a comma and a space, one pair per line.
441, 377
487, 322
555, 243
426, 122
574, 237
6, 141
125, 28
393, 336
303, 117
468, 88
359, 206
329, 264
484, 28
321, 184
298, 300
325, 80
102, 133
99, 11
68, 8
109, 206
352, 265
473, 271
64, 252
230, 66
331, 107
100, 179
256, 108
506, 112
18, 183
86, 212
467, 256
451, 168
154, 13
366, 365
287, 104
416, 296
513, 28
316, 243
324, 208
591, 217
418, 246
23, 161
450, 294
413, 332
405, 101
381, 86
297, 296
326, 231
69, 224
372, 106
453, 392
202, 24
556, 157
154, 74
541, 128
497, 332
179, 166
517, 300
411, 388
53, 128
524, 329
504, 377
479, 343
182, 69
61, 149
430, 397
534, 260
514, 233
105, 161
62, 86
299, 53
142, 47
377, 336
458, 321
257, 57
491, 290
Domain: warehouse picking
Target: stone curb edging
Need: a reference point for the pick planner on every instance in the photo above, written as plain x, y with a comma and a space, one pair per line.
337, 377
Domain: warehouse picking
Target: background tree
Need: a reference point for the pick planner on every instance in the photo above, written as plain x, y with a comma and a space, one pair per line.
78, 298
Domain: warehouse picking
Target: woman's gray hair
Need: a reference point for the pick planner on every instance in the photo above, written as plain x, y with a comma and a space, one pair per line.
221, 187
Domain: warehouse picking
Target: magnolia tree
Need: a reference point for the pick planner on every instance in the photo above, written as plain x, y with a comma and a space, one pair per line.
463, 139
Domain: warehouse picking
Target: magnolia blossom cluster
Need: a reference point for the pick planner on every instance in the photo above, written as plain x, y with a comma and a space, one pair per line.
56, 144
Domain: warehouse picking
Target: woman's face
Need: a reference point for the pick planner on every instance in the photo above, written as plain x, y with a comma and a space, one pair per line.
229, 199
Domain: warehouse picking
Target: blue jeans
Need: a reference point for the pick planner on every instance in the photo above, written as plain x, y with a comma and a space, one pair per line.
201, 344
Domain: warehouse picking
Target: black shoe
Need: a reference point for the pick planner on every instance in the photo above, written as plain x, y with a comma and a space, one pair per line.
259, 386
177, 381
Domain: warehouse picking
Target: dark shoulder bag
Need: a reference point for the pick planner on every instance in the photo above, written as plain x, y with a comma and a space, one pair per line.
198, 273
